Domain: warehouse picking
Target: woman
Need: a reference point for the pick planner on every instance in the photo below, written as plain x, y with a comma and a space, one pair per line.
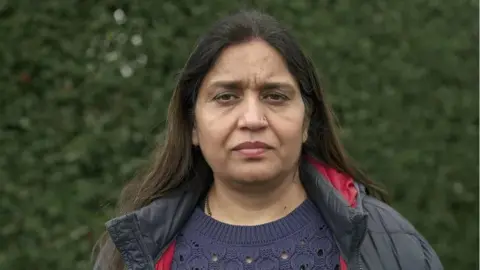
252, 175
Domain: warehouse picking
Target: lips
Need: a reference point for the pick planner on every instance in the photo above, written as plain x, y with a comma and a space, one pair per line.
252, 150
252, 146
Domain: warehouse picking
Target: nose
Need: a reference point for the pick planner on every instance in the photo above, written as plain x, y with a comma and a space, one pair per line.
252, 115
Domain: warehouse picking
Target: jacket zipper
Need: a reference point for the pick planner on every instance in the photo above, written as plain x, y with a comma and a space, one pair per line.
359, 260
357, 251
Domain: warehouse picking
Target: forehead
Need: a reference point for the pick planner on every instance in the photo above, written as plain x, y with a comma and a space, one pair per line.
255, 59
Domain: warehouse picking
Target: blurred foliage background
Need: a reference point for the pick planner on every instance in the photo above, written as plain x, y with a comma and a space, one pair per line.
85, 86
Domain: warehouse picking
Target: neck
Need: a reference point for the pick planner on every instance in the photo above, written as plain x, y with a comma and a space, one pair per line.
247, 205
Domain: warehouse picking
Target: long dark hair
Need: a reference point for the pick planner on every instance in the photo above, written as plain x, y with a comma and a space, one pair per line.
175, 157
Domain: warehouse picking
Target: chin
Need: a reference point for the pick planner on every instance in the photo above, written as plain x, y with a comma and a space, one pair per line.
251, 179
254, 175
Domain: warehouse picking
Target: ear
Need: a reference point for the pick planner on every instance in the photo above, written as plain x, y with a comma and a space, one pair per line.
306, 125
305, 135
194, 136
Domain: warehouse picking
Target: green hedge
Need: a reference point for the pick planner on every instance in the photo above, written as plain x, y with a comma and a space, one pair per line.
84, 92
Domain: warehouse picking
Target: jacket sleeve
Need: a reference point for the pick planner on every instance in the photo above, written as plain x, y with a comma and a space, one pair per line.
432, 262
393, 243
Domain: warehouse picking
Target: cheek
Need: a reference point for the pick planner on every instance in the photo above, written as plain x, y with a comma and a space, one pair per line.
212, 130
289, 126
291, 135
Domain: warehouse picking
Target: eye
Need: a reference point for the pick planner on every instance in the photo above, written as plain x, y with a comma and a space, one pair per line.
225, 97
276, 97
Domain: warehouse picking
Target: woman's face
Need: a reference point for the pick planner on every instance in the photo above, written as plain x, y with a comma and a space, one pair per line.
249, 115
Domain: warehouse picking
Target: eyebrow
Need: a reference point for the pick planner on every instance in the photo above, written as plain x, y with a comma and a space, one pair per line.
278, 85
236, 84
229, 84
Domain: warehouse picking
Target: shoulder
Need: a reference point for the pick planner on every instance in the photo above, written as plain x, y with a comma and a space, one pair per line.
383, 217
395, 239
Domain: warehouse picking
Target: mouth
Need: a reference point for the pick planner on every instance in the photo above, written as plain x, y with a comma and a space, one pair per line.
252, 145
252, 149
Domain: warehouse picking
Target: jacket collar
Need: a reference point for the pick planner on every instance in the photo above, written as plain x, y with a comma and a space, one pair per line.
143, 235
339, 199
